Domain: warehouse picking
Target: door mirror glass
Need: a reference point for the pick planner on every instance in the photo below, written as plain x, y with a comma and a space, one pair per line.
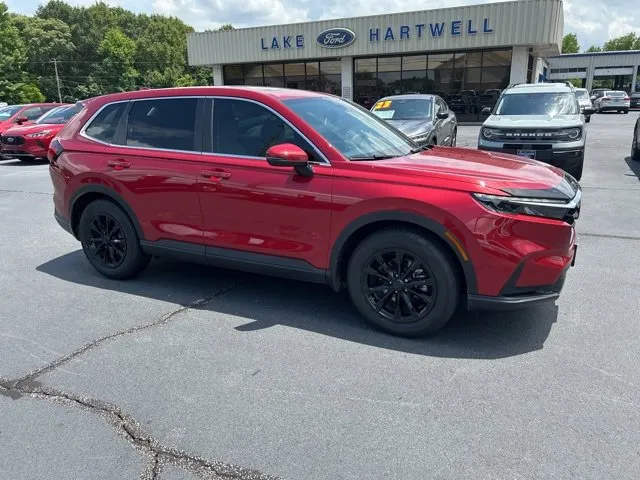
21, 120
287, 155
442, 114
486, 111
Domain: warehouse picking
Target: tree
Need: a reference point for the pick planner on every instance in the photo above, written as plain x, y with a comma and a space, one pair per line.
226, 27
15, 86
117, 54
630, 41
570, 43
594, 49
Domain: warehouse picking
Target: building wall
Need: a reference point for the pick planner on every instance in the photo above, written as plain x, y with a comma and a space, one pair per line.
532, 23
593, 65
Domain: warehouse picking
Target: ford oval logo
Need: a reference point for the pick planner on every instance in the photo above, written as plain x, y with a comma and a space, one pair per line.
335, 38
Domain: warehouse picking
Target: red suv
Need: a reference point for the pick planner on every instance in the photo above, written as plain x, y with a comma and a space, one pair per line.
312, 187
23, 114
31, 142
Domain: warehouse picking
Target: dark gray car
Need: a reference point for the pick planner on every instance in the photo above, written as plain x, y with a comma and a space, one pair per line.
426, 119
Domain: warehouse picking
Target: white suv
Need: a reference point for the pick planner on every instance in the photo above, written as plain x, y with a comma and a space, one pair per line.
542, 121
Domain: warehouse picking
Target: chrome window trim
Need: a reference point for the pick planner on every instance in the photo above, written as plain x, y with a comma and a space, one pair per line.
321, 155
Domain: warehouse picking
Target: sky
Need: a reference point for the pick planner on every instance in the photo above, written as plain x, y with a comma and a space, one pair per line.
594, 21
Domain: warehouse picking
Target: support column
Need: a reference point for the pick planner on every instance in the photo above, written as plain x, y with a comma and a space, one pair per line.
346, 64
635, 79
519, 64
590, 71
218, 78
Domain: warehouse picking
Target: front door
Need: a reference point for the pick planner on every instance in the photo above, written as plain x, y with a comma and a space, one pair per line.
261, 213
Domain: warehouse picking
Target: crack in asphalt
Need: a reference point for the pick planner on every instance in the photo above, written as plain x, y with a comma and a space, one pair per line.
126, 426
95, 343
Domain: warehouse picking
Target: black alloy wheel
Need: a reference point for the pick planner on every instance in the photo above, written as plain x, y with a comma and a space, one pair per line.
398, 285
403, 282
106, 241
110, 241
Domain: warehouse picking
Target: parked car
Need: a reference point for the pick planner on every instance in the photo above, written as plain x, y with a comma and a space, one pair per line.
585, 103
634, 100
31, 142
312, 187
635, 142
540, 121
597, 93
426, 119
618, 101
23, 114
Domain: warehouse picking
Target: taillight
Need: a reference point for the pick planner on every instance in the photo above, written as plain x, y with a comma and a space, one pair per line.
626, 99
54, 151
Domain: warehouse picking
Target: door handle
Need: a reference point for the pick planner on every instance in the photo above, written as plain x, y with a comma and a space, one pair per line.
221, 174
118, 164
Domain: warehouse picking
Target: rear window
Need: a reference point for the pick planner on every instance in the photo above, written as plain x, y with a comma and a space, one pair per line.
635, 95
166, 123
103, 126
616, 94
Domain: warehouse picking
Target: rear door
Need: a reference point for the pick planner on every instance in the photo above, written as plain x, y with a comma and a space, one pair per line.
153, 162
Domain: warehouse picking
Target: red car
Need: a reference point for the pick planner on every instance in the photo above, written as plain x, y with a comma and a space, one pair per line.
23, 114
312, 187
31, 142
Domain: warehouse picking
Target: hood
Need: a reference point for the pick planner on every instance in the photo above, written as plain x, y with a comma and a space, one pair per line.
412, 128
483, 171
33, 128
532, 121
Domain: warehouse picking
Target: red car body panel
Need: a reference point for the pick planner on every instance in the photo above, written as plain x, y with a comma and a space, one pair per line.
275, 212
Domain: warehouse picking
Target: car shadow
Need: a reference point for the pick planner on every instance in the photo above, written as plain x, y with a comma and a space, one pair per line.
634, 166
267, 302
19, 163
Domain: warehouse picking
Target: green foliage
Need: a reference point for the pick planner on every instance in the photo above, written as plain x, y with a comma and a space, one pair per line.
594, 49
630, 41
98, 49
570, 43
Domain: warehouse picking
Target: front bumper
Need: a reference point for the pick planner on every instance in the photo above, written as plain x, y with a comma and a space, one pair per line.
32, 149
565, 158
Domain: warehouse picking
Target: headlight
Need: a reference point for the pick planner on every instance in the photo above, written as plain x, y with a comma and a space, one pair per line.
572, 133
43, 133
489, 133
537, 207
421, 137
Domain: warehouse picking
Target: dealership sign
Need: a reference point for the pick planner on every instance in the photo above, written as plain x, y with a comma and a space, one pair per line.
335, 38
342, 37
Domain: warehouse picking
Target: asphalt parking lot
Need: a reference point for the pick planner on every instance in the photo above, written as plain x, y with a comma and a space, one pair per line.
191, 372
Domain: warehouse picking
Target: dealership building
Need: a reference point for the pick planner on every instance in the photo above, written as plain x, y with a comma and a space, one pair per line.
465, 54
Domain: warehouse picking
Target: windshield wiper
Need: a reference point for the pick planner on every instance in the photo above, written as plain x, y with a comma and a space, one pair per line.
371, 157
421, 149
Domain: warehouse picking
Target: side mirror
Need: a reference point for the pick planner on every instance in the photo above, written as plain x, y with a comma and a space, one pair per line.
486, 111
592, 97
442, 114
21, 120
589, 111
290, 155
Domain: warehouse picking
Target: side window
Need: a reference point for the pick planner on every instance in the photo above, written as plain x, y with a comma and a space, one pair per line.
442, 105
437, 105
167, 123
32, 113
248, 129
104, 125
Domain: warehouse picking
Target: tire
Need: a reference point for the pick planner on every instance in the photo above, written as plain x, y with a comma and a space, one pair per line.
635, 148
587, 119
625, 111
102, 216
576, 172
440, 282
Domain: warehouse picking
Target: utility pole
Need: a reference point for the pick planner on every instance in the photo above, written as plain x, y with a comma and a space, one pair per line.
55, 66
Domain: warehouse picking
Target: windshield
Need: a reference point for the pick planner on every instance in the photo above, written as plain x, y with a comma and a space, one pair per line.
8, 112
539, 103
616, 94
351, 129
58, 115
403, 109
582, 95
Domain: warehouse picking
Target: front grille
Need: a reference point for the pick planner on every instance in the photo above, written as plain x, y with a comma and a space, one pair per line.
12, 140
529, 135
